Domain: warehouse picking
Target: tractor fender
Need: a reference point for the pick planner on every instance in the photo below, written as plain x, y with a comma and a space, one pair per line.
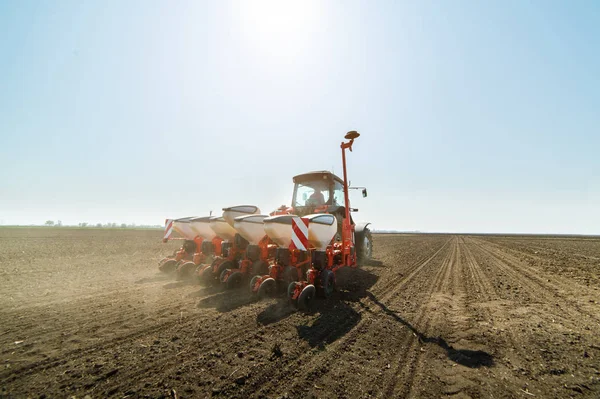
359, 229
359, 232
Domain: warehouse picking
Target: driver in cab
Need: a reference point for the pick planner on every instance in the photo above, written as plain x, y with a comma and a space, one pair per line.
316, 198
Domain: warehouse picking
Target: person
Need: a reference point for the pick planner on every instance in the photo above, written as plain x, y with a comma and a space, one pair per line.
316, 198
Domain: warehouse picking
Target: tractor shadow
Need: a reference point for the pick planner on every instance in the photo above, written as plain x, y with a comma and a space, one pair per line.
205, 291
225, 300
464, 357
336, 316
156, 279
374, 263
178, 284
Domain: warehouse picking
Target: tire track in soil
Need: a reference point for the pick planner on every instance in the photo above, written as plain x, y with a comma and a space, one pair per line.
308, 366
106, 345
544, 292
373, 320
526, 352
101, 316
406, 370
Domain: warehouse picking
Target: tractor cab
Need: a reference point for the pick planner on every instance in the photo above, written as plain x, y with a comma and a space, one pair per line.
317, 192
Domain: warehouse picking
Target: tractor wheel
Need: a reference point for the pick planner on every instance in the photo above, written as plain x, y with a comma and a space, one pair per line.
168, 267
222, 267
234, 280
207, 277
260, 268
253, 283
290, 293
267, 288
306, 297
327, 284
185, 270
290, 274
197, 276
364, 249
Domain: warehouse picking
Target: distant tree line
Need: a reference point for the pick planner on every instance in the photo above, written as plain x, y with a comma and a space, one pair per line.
58, 223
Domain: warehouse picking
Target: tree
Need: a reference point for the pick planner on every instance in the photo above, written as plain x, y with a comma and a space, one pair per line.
49, 223
99, 225
59, 223
123, 225
83, 224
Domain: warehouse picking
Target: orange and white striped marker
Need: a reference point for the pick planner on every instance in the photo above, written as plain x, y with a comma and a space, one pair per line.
299, 233
168, 228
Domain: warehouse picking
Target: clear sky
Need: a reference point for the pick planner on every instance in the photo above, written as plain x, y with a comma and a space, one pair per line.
476, 116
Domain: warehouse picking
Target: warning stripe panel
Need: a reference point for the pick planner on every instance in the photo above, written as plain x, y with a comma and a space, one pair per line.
168, 228
300, 233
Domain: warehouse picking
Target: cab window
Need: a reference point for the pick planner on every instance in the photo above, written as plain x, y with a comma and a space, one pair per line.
307, 194
338, 194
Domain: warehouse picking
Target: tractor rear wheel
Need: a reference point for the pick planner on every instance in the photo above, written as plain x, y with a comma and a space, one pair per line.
327, 284
306, 298
185, 270
364, 248
168, 267
267, 288
234, 280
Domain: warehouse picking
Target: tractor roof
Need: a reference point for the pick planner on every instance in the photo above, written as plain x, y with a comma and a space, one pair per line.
317, 175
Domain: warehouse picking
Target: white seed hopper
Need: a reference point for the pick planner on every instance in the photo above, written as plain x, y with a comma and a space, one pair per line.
201, 227
279, 229
221, 228
182, 226
229, 214
251, 227
321, 230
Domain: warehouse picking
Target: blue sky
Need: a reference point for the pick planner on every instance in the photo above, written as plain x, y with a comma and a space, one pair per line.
475, 116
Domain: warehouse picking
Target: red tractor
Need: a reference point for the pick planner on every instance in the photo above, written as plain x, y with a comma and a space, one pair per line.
316, 236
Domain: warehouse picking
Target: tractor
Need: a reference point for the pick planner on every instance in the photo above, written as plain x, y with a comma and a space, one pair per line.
316, 236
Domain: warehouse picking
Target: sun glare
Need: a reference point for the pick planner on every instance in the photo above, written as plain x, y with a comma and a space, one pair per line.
282, 28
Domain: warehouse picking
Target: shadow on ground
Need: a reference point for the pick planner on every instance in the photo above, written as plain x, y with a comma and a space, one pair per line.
155, 279
374, 263
336, 316
227, 300
465, 357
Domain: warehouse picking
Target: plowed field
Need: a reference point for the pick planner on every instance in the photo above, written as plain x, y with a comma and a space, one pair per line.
86, 313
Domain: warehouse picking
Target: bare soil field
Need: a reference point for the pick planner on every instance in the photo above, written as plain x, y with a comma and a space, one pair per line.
86, 313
